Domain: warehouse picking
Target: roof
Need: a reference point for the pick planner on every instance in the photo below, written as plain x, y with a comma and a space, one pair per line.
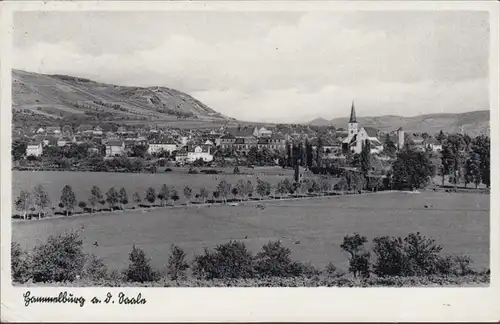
204, 148
263, 141
34, 144
228, 136
371, 131
114, 143
239, 141
352, 118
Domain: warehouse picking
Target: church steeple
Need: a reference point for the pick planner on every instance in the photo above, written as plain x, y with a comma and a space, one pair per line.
352, 119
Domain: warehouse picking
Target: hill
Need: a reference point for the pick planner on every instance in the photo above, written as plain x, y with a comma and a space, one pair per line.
474, 122
61, 96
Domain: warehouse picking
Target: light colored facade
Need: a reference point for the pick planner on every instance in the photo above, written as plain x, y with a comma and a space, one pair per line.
157, 147
115, 148
194, 153
34, 149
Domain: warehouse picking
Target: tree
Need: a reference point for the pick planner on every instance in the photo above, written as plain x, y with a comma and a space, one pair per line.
282, 188
151, 195
188, 193
389, 146
18, 149
319, 151
40, 199
59, 259
123, 198
224, 188
473, 169
236, 170
365, 158
481, 146
177, 265
174, 195
164, 194
95, 197
24, 202
252, 156
441, 137
139, 269
249, 188
68, 199
240, 188
453, 155
137, 198
139, 150
235, 192
112, 198
204, 194
82, 204
324, 184
411, 169
358, 259
263, 188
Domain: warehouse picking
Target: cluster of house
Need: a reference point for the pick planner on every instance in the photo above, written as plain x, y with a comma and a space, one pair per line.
191, 145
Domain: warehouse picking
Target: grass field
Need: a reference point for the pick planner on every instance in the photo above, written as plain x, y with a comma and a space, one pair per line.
82, 182
460, 222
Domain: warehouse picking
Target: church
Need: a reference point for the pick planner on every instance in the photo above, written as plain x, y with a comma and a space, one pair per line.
357, 136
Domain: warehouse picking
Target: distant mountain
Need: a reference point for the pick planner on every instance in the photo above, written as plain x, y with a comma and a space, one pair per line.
57, 96
474, 122
320, 122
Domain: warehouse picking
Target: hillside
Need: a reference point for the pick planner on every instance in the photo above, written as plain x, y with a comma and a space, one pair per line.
474, 122
61, 96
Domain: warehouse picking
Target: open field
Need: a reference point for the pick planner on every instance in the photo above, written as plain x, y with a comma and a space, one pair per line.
459, 222
82, 182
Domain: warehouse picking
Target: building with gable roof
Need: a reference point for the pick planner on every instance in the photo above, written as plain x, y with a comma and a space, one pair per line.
357, 136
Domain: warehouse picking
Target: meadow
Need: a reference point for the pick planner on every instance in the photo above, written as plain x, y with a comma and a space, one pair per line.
82, 182
312, 228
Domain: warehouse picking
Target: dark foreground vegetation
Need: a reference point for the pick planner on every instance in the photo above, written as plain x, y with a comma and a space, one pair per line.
414, 260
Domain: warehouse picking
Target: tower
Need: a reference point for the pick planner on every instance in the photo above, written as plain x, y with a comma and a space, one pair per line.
353, 124
401, 138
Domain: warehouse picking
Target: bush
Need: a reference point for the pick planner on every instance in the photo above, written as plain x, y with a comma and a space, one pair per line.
390, 254
20, 263
61, 258
95, 269
415, 255
230, 260
177, 265
423, 255
274, 261
139, 269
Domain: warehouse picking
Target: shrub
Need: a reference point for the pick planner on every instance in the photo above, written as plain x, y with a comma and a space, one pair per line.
177, 265
230, 260
423, 255
331, 270
274, 261
414, 256
139, 269
20, 263
390, 254
61, 258
95, 269
359, 261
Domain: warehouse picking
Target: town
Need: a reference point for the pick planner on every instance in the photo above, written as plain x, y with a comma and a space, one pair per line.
252, 145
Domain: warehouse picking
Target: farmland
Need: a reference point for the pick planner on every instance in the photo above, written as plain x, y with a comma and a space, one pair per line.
313, 229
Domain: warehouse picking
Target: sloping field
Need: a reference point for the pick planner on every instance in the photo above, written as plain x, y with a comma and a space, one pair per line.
460, 222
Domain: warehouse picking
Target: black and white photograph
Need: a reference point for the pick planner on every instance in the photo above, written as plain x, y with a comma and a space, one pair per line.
249, 148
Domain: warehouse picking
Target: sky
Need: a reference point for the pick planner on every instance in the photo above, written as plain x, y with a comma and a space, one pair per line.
273, 66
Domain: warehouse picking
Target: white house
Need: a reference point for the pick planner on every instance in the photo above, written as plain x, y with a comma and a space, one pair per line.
194, 153
115, 147
157, 147
34, 149
262, 132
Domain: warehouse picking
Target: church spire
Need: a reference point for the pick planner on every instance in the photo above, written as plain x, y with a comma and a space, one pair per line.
353, 114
